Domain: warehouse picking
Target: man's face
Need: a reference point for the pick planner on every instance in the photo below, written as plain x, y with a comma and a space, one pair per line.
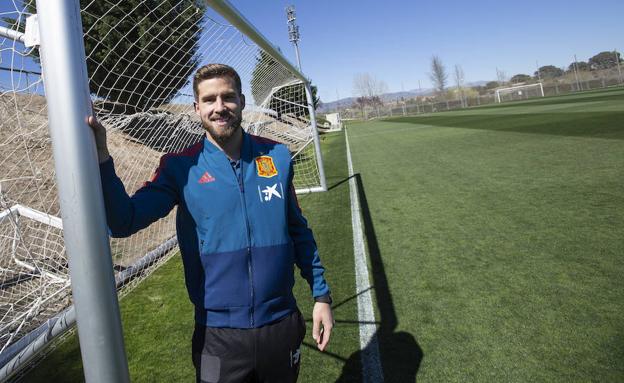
220, 107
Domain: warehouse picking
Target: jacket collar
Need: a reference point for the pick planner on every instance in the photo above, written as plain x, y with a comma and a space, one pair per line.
246, 152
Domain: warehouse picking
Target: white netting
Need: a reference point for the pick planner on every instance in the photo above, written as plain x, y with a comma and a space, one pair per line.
140, 57
520, 92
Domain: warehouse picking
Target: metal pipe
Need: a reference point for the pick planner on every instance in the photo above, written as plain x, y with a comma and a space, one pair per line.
37, 340
317, 142
11, 34
310, 190
80, 192
16, 356
232, 15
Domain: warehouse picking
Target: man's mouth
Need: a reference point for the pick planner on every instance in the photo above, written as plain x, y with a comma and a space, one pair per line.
221, 120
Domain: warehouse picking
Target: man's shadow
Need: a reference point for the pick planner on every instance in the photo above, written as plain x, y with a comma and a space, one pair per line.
399, 352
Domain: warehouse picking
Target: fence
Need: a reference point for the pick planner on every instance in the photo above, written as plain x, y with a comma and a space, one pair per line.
567, 84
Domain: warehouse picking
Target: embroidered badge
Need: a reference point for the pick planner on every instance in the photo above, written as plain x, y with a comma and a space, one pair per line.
269, 192
206, 178
265, 167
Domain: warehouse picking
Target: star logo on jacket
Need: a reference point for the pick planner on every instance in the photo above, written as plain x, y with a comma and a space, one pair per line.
206, 178
265, 167
269, 192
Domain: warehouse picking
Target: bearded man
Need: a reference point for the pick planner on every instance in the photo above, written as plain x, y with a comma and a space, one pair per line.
240, 232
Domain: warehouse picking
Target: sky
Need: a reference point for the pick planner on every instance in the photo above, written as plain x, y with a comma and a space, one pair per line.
394, 40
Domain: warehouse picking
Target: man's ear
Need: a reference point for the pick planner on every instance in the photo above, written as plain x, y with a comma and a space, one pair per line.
242, 98
196, 107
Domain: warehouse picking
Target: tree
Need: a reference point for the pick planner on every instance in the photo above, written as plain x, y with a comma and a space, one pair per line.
139, 54
549, 72
438, 74
520, 77
605, 60
501, 76
366, 85
370, 89
361, 102
316, 100
580, 65
459, 82
492, 85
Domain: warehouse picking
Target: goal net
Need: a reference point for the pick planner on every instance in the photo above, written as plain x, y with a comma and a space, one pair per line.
141, 56
519, 92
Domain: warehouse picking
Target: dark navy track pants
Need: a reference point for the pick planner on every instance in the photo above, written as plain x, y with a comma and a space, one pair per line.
268, 354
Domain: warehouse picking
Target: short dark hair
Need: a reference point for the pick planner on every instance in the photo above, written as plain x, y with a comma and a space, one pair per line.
209, 71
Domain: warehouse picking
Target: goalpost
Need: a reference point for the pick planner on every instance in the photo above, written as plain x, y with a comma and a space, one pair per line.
520, 92
140, 56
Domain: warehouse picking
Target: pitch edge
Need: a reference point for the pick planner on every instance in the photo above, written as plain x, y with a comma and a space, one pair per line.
371, 363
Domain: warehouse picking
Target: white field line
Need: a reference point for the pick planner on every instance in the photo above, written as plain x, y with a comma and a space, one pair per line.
371, 363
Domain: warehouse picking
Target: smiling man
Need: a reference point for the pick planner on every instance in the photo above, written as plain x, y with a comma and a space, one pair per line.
240, 232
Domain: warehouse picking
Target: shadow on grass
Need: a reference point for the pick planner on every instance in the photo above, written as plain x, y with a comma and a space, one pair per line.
400, 353
582, 124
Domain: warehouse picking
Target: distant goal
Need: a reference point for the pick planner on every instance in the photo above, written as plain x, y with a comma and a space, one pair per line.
520, 92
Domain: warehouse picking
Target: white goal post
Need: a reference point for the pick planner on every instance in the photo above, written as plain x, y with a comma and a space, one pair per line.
520, 92
139, 64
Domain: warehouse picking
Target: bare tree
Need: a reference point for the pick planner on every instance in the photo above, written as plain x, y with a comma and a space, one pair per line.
459, 81
438, 74
366, 85
370, 89
501, 76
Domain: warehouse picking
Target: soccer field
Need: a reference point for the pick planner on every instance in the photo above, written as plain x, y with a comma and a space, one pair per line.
495, 240
501, 233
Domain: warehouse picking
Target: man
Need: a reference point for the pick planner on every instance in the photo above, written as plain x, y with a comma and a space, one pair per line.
240, 232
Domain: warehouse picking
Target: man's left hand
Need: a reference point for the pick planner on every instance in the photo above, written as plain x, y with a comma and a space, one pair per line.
322, 324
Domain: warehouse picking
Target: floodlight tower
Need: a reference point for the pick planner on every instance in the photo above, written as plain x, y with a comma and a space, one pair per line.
293, 31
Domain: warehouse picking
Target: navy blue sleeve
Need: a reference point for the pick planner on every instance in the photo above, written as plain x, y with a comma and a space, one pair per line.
306, 252
126, 215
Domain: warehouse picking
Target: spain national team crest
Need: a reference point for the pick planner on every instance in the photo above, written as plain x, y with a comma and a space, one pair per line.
265, 167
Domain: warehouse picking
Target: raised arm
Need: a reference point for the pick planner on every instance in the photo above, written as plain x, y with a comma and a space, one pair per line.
126, 215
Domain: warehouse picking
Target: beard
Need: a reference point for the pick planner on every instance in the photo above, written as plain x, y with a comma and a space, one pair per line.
223, 134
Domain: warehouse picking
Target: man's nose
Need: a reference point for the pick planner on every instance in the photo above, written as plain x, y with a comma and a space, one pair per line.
219, 105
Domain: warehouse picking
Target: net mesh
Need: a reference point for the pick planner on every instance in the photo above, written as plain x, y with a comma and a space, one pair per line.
520, 92
141, 56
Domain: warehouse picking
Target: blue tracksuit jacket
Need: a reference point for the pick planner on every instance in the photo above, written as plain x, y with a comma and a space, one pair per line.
239, 241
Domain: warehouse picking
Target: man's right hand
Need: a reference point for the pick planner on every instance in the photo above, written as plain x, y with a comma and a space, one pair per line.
100, 139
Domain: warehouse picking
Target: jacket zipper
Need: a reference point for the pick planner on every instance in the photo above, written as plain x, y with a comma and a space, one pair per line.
241, 189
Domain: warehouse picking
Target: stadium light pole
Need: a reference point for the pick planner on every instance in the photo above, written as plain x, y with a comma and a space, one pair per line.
617, 60
293, 35
293, 31
578, 83
80, 192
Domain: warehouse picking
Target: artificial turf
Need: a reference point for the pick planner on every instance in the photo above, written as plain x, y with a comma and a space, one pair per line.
500, 232
495, 245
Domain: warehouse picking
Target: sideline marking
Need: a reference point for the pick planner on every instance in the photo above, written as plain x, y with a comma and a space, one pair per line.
371, 363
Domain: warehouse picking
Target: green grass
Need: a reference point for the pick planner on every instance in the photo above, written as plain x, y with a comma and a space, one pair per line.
495, 237
501, 235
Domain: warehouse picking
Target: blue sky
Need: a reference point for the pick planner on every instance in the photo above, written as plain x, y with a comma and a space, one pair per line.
395, 39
